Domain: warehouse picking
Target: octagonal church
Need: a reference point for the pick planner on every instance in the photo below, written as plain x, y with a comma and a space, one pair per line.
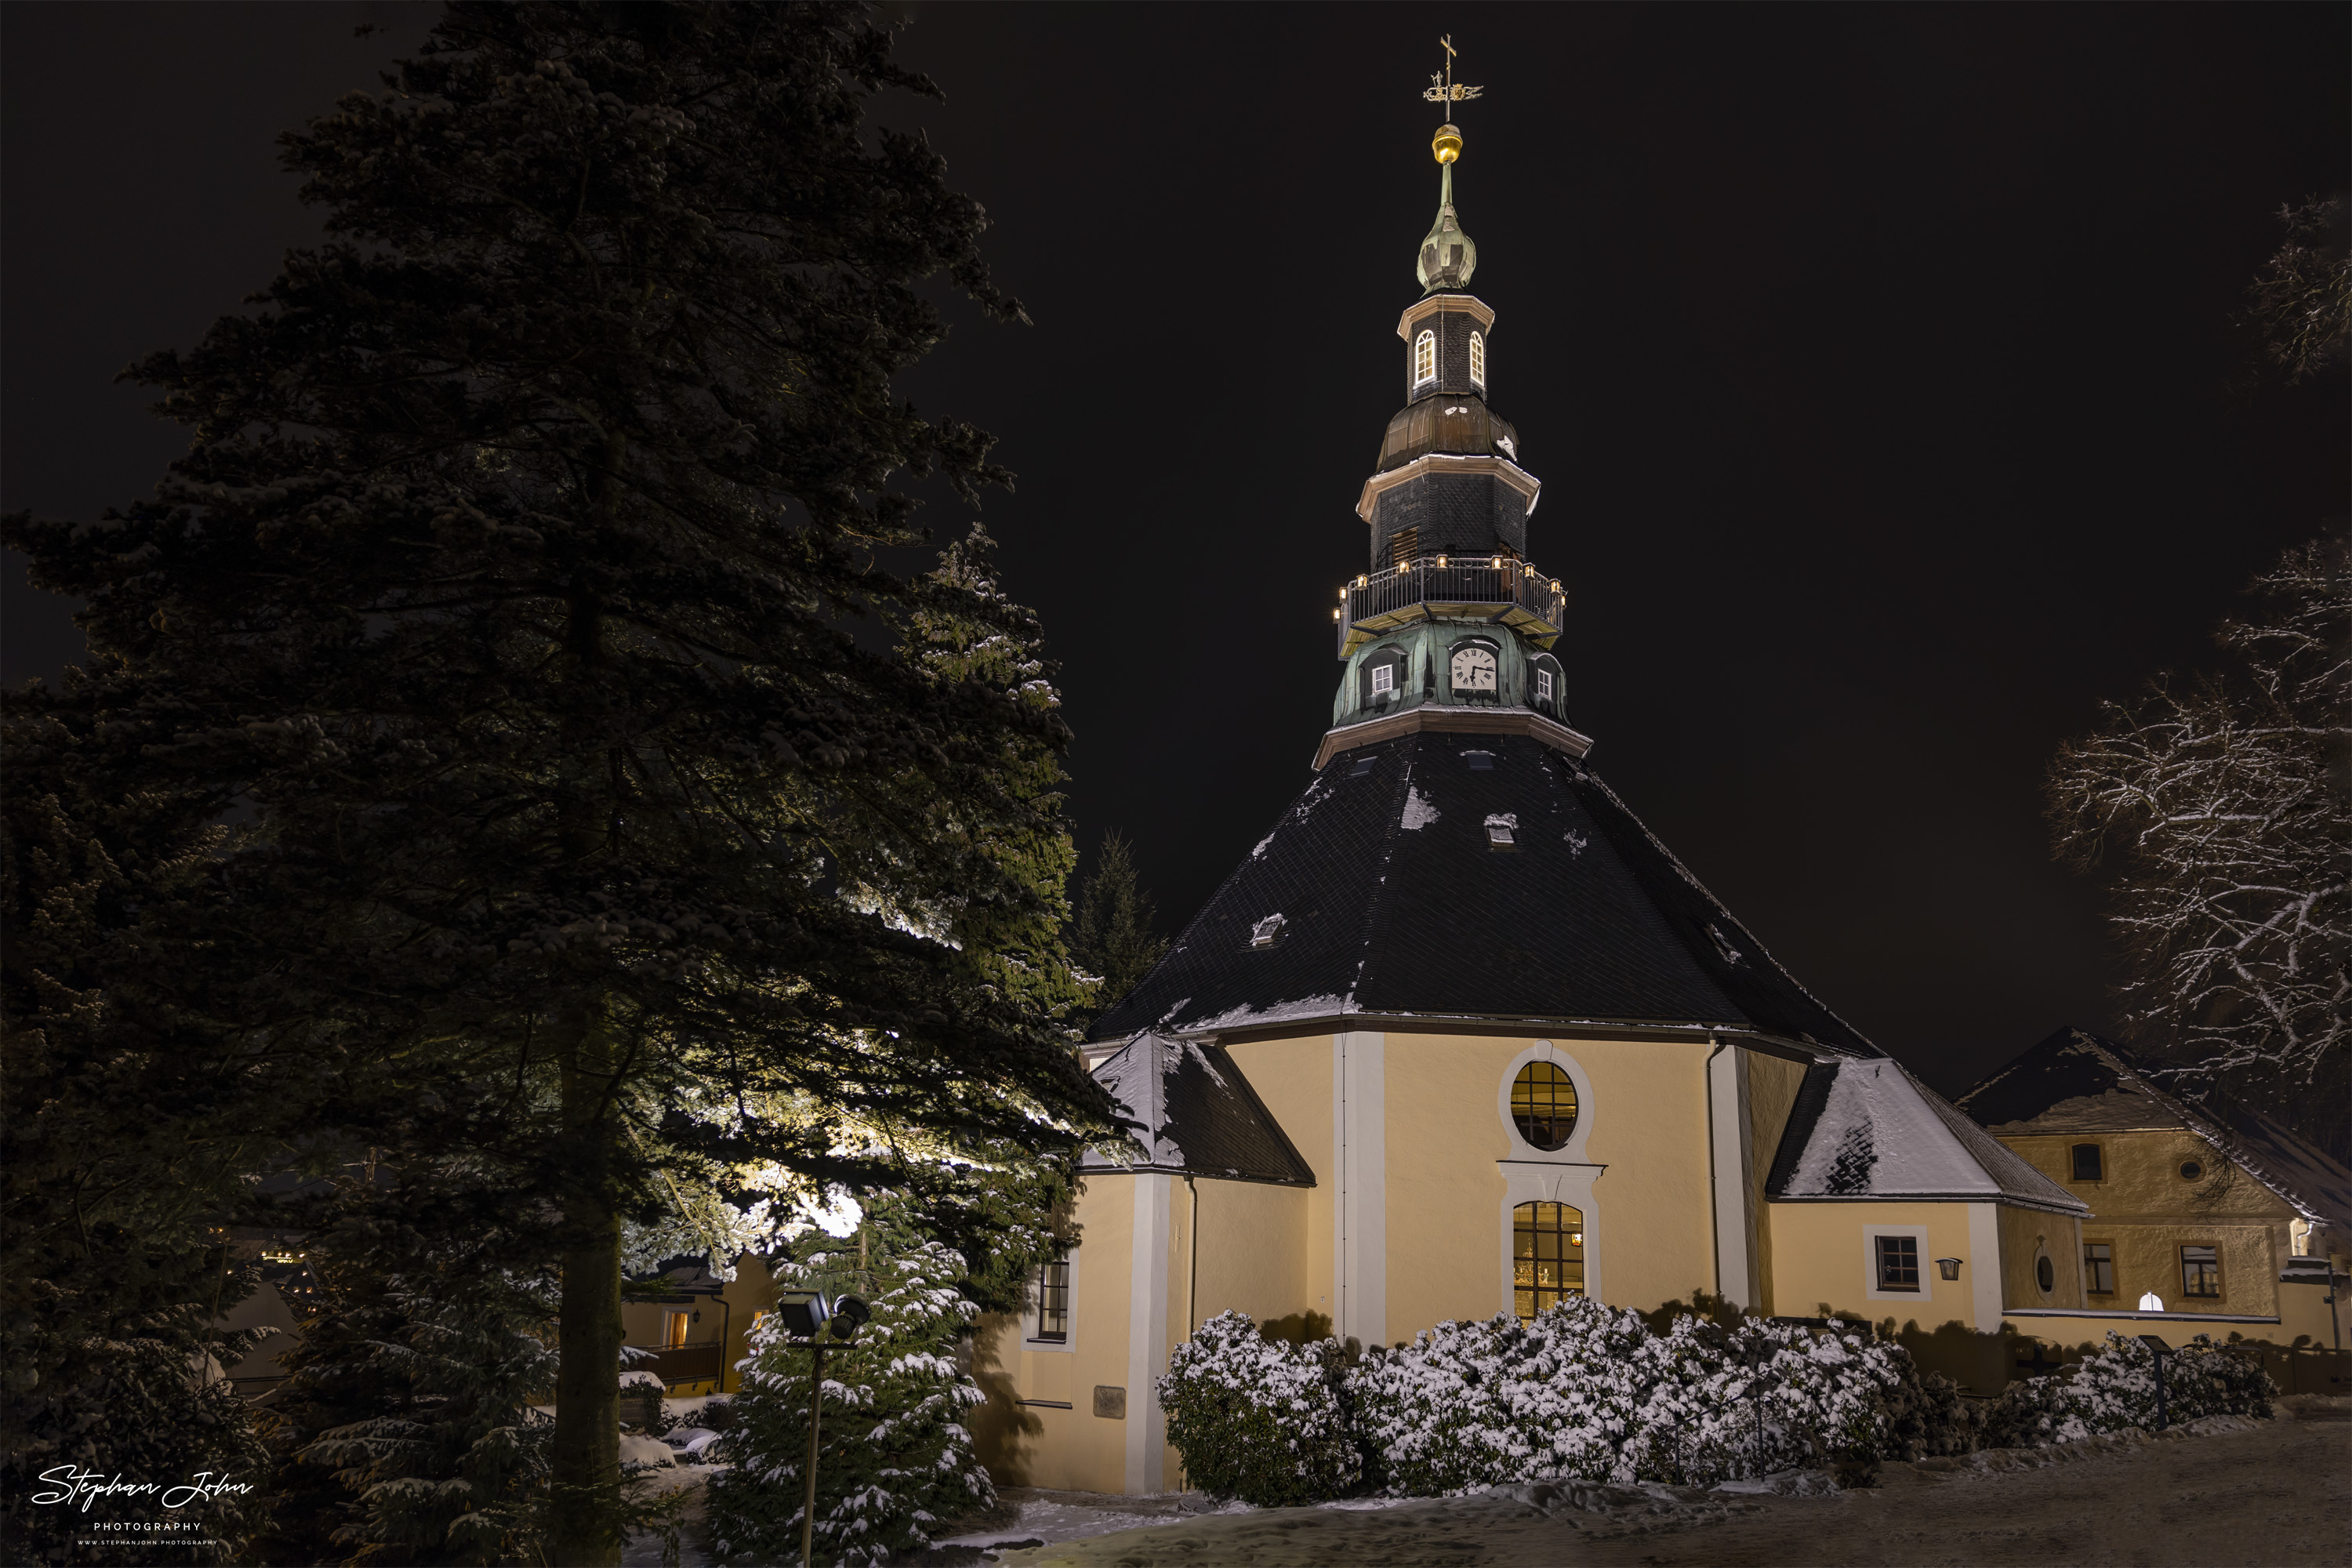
1459, 1036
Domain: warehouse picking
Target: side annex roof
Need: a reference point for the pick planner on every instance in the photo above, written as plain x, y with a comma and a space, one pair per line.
1863, 1130
1200, 1115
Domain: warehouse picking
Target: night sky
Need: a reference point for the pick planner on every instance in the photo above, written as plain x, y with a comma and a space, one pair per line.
1877, 363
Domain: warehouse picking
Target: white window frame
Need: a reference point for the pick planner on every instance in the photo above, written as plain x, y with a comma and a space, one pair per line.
1031, 1305
1561, 1175
1543, 684
1383, 677
1478, 360
1424, 358
1927, 1270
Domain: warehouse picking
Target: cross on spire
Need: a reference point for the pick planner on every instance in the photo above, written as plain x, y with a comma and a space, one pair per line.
1445, 89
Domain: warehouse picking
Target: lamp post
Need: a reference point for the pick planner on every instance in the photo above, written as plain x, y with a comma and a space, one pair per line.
805, 1314
2155, 1343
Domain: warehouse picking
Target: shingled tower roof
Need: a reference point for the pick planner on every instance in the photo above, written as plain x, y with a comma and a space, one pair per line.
1456, 859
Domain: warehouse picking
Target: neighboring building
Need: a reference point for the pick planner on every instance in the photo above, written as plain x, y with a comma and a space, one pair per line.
2227, 1220
692, 1335
1460, 1037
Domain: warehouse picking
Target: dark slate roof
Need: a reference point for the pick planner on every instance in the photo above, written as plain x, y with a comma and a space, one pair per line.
1394, 903
2075, 1081
1199, 1113
1864, 1129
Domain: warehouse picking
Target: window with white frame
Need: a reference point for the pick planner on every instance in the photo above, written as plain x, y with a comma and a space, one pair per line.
1383, 678
1054, 1301
1424, 358
1478, 359
1543, 685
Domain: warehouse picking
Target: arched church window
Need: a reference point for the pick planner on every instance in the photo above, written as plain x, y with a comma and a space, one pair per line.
1473, 669
1424, 358
1547, 1257
1543, 1105
1478, 360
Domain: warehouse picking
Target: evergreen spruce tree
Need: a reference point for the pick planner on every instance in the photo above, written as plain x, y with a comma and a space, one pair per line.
1112, 937
895, 1458
506, 596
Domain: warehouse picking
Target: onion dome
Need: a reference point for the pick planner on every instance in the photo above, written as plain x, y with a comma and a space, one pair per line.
1448, 256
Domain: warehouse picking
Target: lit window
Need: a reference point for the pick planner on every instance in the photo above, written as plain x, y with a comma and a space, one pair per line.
1547, 1257
1383, 678
2099, 1267
1543, 1105
2087, 1164
1054, 1301
1473, 669
1543, 685
674, 1326
1424, 358
1898, 1262
2200, 1272
1478, 359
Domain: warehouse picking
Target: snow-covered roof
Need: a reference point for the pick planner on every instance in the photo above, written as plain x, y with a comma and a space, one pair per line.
1200, 1115
2075, 1081
1865, 1129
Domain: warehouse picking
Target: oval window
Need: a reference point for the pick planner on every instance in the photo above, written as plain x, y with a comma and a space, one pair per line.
2190, 1170
2044, 1275
1543, 1105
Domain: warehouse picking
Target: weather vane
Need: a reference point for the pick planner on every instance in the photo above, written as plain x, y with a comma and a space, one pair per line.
1445, 89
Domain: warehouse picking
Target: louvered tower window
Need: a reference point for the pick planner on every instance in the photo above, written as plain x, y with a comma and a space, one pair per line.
1478, 360
1424, 358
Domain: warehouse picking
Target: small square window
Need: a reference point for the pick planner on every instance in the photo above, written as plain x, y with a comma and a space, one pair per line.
2200, 1272
1499, 836
1898, 1262
1480, 761
1265, 932
1543, 685
1363, 765
1383, 678
2099, 1267
2088, 1166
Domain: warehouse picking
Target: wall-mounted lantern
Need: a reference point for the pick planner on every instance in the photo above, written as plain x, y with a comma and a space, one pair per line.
2151, 1302
1948, 1266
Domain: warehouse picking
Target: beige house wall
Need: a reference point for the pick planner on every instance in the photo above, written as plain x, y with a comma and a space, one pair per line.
1293, 1078
1772, 1085
2030, 1234
1824, 1261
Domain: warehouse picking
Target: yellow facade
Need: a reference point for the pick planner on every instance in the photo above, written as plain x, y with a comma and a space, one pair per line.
1417, 1170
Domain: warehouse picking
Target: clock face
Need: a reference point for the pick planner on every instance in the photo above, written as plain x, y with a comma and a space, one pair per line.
1473, 670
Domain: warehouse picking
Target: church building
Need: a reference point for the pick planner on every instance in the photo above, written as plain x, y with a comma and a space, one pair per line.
1460, 1037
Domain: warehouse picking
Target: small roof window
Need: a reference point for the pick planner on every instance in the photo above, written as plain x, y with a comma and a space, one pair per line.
1480, 761
1363, 765
1266, 932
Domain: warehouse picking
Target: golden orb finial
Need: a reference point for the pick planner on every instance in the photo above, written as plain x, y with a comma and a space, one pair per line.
1447, 145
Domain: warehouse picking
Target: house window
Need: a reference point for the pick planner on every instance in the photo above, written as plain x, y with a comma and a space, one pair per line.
2087, 1164
1543, 1105
1478, 360
1898, 1262
1384, 679
2045, 1274
1547, 1257
1543, 685
1424, 358
2190, 1170
673, 1327
1473, 669
2099, 1267
2201, 1273
1265, 932
1054, 1301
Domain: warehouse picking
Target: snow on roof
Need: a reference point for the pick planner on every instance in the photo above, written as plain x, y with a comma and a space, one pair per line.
1868, 1130
1199, 1114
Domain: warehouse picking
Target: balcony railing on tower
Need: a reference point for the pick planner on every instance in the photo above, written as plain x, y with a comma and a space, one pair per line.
1499, 589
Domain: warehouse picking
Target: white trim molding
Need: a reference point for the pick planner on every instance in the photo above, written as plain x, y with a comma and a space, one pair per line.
1550, 1180
1732, 1142
1510, 473
1984, 1265
1147, 1335
1927, 1270
1359, 1262
1468, 305
1569, 1153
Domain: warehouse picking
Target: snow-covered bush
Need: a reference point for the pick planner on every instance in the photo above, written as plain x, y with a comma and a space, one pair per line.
2115, 1387
1927, 1416
1756, 1397
894, 1455
1259, 1419
1472, 1403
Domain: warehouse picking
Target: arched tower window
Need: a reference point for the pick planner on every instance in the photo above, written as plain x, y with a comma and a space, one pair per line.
1478, 360
1543, 1105
1547, 1257
1424, 358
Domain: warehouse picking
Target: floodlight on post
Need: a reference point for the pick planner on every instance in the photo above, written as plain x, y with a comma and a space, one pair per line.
804, 1313
1949, 1267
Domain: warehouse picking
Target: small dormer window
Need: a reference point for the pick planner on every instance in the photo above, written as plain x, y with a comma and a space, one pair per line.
1543, 685
1478, 360
1384, 679
1424, 358
1264, 933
